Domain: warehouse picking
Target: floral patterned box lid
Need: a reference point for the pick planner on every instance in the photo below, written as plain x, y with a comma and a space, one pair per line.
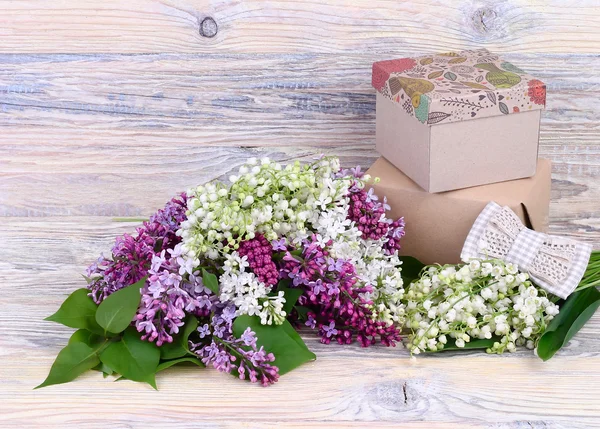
457, 86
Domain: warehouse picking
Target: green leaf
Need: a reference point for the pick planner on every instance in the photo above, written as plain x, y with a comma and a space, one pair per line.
89, 338
471, 345
116, 312
291, 297
411, 269
281, 340
179, 346
574, 313
104, 369
283, 283
293, 334
72, 361
210, 281
96, 343
169, 363
78, 311
132, 357
302, 312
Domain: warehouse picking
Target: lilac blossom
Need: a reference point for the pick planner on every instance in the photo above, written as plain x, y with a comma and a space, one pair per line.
337, 307
368, 213
167, 298
260, 258
132, 255
229, 354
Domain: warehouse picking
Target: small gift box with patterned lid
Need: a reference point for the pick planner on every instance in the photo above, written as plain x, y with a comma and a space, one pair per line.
458, 119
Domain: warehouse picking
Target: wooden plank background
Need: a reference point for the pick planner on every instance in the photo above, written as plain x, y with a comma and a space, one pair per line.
107, 108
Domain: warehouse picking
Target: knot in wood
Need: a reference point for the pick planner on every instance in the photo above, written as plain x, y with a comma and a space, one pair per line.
208, 27
485, 20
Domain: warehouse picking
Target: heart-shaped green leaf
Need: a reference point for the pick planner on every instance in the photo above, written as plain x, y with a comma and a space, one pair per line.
72, 361
132, 357
92, 340
291, 297
179, 346
411, 269
104, 369
96, 343
78, 311
302, 312
169, 363
281, 340
574, 313
116, 312
210, 281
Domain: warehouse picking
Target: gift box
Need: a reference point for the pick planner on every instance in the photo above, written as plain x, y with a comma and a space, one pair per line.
437, 224
455, 120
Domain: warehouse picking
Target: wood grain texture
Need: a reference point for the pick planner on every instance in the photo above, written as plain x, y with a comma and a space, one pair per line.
108, 108
250, 100
338, 26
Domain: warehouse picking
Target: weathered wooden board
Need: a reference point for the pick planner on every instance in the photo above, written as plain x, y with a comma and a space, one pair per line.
298, 26
107, 108
249, 100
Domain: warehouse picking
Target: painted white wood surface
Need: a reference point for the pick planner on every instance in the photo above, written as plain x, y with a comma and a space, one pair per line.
107, 108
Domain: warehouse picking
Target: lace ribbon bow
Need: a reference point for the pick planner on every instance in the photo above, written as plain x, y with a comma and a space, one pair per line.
555, 263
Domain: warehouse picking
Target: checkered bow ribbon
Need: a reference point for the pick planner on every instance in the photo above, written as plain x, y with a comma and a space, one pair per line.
556, 264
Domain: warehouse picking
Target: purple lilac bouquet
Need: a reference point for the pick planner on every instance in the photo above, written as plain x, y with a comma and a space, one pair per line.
223, 274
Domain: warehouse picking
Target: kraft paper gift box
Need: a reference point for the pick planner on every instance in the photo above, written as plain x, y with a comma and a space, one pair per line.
438, 224
455, 120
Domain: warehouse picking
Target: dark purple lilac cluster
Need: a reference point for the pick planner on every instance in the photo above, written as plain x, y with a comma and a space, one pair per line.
368, 213
132, 255
260, 259
337, 307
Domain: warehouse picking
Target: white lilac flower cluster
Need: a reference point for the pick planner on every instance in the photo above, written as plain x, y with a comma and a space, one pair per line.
249, 295
485, 300
377, 268
265, 197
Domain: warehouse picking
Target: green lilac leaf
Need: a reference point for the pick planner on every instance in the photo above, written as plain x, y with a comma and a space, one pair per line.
72, 361
283, 284
291, 297
116, 312
132, 357
77, 311
302, 312
281, 340
411, 269
293, 334
96, 343
104, 369
210, 281
169, 363
89, 338
179, 346
574, 313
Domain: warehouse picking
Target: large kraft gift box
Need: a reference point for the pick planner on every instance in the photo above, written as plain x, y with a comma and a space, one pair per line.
456, 120
437, 224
